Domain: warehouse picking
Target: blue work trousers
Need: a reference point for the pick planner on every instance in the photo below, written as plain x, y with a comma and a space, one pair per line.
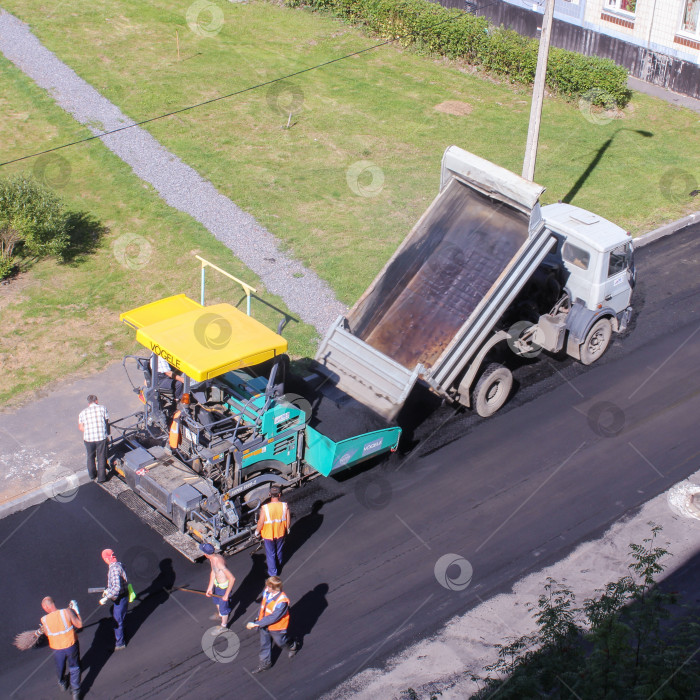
267, 638
273, 554
71, 655
119, 613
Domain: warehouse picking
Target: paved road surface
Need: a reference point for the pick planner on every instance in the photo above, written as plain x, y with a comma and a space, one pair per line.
570, 454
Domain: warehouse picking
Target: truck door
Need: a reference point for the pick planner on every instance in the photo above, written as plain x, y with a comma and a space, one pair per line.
620, 270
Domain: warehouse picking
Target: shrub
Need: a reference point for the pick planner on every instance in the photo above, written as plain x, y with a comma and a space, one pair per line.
430, 27
33, 221
8, 264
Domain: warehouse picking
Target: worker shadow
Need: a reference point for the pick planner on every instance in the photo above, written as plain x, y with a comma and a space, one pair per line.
150, 598
305, 613
98, 654
302, 530
250, 587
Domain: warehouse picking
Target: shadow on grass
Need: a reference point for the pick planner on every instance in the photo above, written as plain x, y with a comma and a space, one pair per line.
568, 197
85, 232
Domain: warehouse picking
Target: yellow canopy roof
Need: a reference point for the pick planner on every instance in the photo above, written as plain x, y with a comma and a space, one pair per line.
203, 342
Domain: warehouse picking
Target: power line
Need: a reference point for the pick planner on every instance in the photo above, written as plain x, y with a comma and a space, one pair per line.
214, 99
195, 106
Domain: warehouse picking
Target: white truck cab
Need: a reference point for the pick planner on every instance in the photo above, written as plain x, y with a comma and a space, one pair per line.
598, 257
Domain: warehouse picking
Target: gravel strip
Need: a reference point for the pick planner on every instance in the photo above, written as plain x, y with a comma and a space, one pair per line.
304, 293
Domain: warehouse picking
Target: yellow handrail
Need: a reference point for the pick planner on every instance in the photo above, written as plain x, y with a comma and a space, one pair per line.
246, 287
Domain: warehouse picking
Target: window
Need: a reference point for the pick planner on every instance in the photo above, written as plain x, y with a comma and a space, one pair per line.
576, 256
691, 17
624, 5
619, 260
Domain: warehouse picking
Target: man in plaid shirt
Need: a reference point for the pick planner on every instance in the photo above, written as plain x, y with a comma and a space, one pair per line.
117, 592
93, 423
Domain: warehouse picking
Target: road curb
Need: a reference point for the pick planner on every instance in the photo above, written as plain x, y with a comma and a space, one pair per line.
667, 229
43, 493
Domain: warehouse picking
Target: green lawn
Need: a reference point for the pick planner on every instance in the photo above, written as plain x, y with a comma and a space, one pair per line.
359, 123
377, 107
63, 319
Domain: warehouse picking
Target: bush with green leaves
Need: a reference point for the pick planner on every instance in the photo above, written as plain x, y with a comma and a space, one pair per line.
434, 29
33, 223
619, 644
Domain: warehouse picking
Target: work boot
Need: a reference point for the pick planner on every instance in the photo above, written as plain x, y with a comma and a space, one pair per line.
262, 667
293, 649
63, 684
75, 694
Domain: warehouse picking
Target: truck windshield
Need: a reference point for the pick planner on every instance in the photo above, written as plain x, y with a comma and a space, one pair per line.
575, 255
619, 259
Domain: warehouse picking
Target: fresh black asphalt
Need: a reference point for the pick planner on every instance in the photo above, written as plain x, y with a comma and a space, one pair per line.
576, 449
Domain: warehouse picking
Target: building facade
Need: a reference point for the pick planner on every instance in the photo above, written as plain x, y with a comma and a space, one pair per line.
658, 41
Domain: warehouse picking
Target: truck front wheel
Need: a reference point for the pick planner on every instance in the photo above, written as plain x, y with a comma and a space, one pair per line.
492, 389
596, 342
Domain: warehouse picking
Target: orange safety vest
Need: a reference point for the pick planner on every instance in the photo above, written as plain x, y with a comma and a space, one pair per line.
59, 629
268, 605
275, 525
175, 438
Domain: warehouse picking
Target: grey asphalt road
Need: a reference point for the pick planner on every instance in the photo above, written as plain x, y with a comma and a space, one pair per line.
576, 449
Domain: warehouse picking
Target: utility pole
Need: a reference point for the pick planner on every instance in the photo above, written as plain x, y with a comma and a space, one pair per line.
533, 133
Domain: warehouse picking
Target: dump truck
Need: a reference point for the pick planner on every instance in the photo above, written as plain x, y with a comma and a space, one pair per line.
485, 278
198, 466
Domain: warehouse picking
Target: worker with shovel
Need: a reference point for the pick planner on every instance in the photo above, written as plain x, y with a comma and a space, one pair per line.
221, 582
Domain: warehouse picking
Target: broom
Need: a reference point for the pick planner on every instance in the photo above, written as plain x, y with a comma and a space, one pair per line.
26, 640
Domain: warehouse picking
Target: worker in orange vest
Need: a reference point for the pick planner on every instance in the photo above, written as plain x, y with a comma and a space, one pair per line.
60, 627
273, 622
273, 526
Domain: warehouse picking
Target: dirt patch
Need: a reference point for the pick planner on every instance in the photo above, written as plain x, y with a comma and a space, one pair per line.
11, 289
460, 109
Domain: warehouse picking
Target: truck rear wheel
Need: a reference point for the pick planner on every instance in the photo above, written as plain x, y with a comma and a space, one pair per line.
492, 389
596, 342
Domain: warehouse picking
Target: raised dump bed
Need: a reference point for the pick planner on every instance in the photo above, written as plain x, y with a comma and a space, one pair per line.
439, 295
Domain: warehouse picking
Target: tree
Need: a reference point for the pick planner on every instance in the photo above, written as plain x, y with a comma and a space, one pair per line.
33, 222
616, 645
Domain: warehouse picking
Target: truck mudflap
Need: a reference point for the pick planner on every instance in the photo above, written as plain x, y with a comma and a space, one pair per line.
328, 457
